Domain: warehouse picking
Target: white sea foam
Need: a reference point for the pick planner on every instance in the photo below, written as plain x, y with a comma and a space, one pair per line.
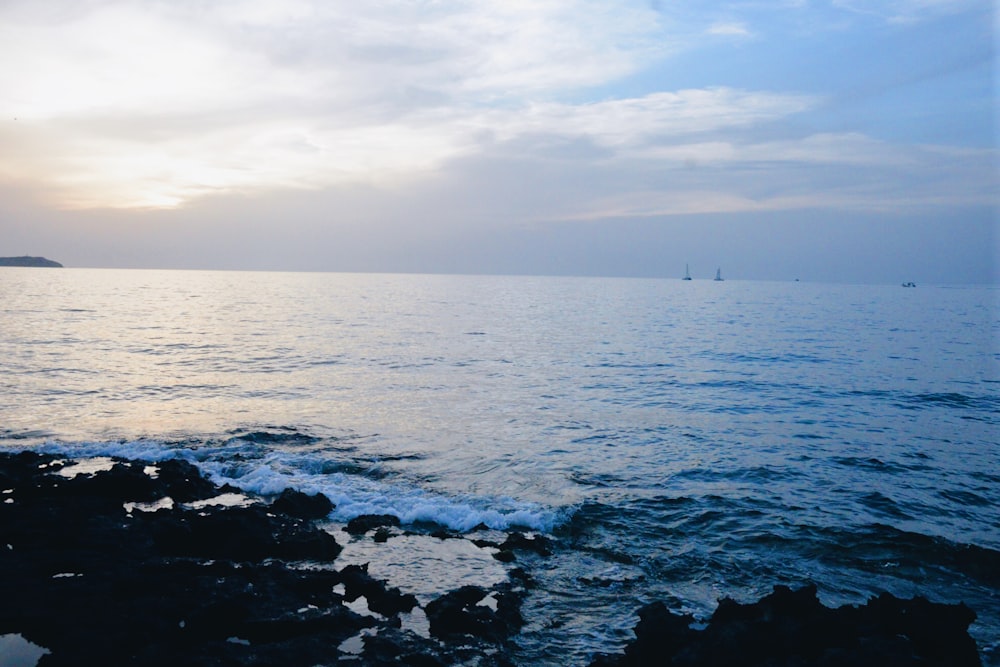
256, 469
355, 495
148, 450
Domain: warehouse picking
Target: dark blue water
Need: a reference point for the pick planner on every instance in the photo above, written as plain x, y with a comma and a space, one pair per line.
678, 440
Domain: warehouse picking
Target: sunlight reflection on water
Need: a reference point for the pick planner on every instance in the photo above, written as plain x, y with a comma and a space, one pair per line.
422, 565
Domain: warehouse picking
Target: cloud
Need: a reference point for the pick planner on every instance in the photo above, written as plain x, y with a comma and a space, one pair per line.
848, 148
189, 53
908, 11
469, 110
855, 198
844, 172
166, 161
146, 105
627, 121
124, 105
121, 59
732, 29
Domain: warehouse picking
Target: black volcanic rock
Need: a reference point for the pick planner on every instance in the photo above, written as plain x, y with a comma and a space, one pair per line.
28, 261
303, 505
382, 600
791, 628
183, 482
539, 544
96, 579
240, 534
462, 612
362, 524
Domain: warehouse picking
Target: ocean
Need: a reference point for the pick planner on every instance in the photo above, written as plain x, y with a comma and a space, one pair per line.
677, 441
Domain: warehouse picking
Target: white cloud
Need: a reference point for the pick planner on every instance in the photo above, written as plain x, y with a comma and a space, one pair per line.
121, 60
824, 148
122, 166
621, 122
128, 105
666, 203
731, 29
907, 11
124, 104
149, 104
848, 172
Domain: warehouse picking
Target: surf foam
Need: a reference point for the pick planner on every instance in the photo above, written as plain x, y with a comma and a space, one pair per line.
255, 468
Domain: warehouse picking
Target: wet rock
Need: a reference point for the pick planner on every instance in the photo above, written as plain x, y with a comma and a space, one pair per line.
791, 628
483, 544
395, 648
239, 533
362, 524
382, 600
516, 542
938, 632
538, 544
302, 505
216, 585
459, 613
183, 482
464, 612
123, 480
505, 556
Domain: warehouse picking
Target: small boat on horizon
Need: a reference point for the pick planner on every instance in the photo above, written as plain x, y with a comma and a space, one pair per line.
687, 273
718, 275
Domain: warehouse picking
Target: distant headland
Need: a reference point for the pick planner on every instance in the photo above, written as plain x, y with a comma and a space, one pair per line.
28, 261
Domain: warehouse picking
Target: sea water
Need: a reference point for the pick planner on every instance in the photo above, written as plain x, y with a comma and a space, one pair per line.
677, 440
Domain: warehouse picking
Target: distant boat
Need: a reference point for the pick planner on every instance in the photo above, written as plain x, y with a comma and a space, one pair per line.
718, 274
909, 284
687, 273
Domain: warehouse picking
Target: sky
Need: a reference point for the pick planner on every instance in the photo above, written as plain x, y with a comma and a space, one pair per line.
828, 140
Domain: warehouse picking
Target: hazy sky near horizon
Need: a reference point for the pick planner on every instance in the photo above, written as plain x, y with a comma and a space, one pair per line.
822, 139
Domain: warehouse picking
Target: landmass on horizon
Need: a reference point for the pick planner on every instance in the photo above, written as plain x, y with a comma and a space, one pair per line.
25, 260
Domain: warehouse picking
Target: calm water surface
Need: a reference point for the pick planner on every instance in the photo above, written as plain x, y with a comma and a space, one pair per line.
678, 440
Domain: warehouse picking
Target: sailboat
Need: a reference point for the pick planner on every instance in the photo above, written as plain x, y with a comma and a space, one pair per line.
687, 273
718, 274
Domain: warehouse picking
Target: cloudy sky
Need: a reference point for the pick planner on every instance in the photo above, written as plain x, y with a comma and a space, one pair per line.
845, 140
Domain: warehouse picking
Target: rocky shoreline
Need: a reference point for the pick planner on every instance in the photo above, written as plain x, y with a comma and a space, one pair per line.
140, 563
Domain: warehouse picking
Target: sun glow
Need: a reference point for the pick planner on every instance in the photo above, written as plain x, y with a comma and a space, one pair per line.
131, 106
117, 104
